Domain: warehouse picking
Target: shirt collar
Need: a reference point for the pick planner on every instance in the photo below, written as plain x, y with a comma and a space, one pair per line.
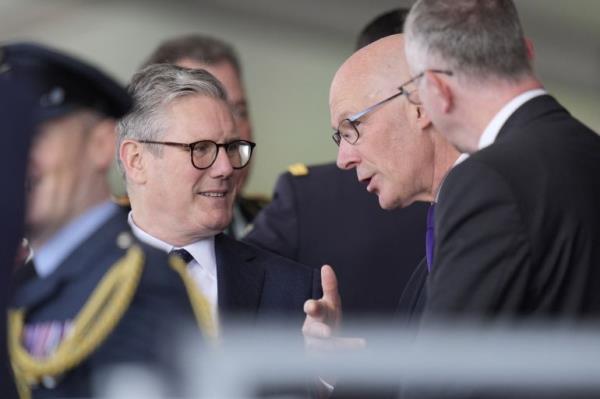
50, 255
203, 251
493, 128
460, 159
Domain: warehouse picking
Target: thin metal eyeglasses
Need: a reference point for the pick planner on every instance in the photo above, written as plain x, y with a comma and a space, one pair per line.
203, 153
348, 128
411, 95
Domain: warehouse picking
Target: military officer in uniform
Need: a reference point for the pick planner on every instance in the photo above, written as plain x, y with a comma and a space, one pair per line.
75, 314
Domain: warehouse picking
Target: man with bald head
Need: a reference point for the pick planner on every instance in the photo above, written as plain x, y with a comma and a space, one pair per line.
394, 148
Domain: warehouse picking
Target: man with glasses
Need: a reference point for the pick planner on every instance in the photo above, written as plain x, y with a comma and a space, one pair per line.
182, 158
219, 59
395, 150
517, 229
373, 262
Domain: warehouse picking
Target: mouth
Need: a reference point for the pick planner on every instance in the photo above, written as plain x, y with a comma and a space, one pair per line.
367, 182
213, 194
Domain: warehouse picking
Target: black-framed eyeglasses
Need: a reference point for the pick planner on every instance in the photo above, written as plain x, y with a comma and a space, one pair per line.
348, 128
203, 153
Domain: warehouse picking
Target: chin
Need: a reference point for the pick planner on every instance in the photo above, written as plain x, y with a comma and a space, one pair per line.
218, 225
387, 203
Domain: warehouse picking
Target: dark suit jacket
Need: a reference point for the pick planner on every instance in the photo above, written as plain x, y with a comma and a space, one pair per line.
412, 300
251, 283
518, 223
326, 216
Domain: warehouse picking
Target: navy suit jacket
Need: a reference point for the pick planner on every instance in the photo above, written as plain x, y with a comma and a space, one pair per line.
327, 217
518, 223
251, 283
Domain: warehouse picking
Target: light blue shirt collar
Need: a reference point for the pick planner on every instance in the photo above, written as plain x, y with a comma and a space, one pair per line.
50, 255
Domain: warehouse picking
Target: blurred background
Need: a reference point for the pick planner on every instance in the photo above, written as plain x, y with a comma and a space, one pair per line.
290, 51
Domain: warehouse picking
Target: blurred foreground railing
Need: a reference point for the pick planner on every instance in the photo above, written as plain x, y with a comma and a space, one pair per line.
467, 357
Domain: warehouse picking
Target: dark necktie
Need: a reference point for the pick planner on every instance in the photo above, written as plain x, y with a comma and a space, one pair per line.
430, 236
183, 254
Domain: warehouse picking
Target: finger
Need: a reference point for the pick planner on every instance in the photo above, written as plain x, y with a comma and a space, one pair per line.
330, 286
314, 308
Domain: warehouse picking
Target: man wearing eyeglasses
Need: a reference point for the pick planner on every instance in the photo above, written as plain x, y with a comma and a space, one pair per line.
302, 217
221, 60
391, 143
182, 159
517, 228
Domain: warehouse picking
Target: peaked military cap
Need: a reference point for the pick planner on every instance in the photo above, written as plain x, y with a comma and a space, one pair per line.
62, 83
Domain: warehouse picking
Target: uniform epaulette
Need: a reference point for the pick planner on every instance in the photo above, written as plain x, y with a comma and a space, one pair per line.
298, 169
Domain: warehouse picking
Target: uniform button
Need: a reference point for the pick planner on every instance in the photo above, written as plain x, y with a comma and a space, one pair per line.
124, 240
48, 382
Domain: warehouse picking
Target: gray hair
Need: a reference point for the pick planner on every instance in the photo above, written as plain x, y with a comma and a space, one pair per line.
474, 38
203, 49
153, 89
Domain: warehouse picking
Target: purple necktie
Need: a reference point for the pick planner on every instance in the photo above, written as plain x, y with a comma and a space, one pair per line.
430, 236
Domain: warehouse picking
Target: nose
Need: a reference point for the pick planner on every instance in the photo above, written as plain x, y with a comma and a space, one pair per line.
222, 167
348, 156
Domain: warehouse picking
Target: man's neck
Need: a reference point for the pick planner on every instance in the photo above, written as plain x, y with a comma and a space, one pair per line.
445, 157
41, 236
484, 101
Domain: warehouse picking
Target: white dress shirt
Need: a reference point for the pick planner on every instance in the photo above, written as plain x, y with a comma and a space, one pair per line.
493, 128
203, 268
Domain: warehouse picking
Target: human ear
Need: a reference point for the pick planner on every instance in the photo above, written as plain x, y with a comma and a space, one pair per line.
441, 92
530, 50
131, 155
423, 120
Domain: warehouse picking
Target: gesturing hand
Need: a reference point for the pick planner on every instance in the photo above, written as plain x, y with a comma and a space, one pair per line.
323, 317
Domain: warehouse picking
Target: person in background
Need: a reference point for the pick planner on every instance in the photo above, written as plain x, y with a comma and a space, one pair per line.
76, 232
321, 214
221, 60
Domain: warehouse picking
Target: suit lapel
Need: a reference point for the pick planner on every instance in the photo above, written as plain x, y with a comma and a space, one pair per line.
529, 112
240, 280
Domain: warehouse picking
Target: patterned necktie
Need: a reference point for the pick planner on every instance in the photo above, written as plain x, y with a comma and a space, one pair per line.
183, 254
430, 236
